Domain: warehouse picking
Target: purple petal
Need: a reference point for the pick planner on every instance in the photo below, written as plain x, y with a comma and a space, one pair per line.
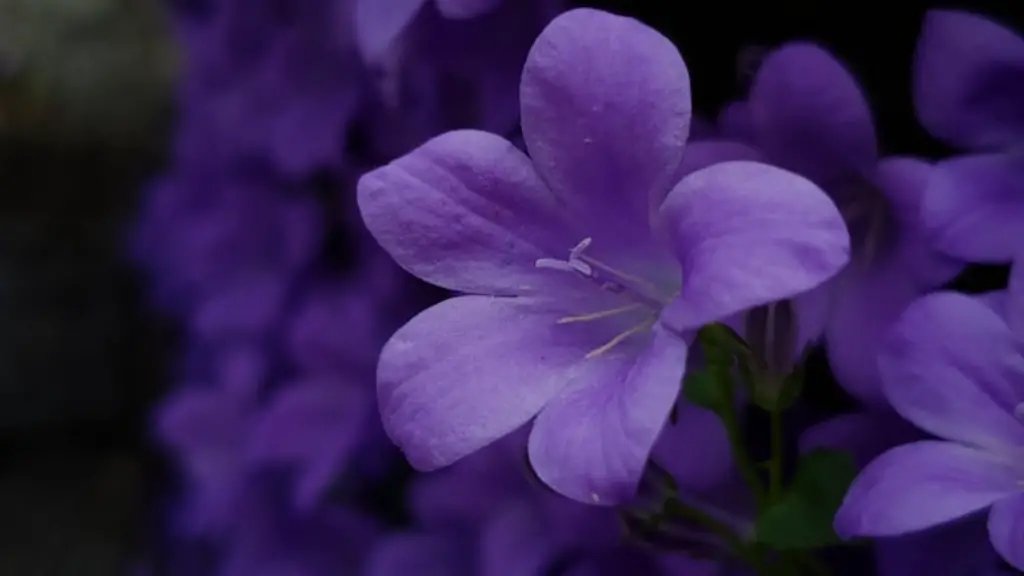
421, 554
605, 104
957, 549
591, 442
469, 370
969, 80
994, 300
865, 435
809, 114
734, 121
974, 207
379, 22
517, 541
748, 234
865, 305
904, 181
1006, 529
465, 9
700, 155
465, 211
920, 485
695, 450
951, 366
1013, 297
315, 426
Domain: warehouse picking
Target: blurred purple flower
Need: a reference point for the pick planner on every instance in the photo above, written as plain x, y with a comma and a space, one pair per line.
968, 89
953, 367
221, 247
585, 338
806, 113
269, 79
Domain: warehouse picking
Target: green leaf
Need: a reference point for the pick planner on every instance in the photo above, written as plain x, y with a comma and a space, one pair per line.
707, 388
803, 518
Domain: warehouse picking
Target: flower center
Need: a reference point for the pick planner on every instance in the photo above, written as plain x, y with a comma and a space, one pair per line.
641, 294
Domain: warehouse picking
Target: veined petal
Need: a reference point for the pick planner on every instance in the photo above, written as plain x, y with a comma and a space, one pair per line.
920, 485
472, 369
974, 207
969, 80
465, 9
379, 22
809, 115
1006, 529
748, 234
465, 211
951, 366
592, 441
605, 104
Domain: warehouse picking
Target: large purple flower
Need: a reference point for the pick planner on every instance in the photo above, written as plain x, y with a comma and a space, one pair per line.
968, 89
806, 113
571, 259
953, 367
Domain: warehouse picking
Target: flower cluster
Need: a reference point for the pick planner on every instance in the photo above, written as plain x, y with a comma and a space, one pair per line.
627, 292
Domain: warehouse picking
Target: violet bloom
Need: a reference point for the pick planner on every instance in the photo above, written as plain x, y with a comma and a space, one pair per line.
379, 22
575, 300
968, 91
806, 113
273, 80
953, 367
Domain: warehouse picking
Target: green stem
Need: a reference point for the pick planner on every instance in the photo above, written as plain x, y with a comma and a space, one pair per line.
743, 461
775, 464
721, 529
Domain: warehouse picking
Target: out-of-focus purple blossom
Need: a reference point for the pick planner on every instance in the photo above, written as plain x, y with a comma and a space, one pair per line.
953, 367
445, 74
968, 89
271, 80
220, 247
806, 113
585, 338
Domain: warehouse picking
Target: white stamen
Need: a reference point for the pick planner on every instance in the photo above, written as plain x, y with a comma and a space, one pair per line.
620, 338
601, 314
552, 264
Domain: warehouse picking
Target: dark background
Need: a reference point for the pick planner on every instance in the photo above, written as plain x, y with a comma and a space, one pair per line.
85, 109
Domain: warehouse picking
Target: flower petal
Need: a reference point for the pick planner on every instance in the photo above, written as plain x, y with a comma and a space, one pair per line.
695, 449
1013, 297
1006, 529
591, 443
313, 425
517, 541
809, 115
379, 22
974, 207
423, 554
920, 485
969, 80
465, 9
904, 182
865, 305
865, 435
748, 234
465, 211
469, 370
951, 366
959, 548
605, 104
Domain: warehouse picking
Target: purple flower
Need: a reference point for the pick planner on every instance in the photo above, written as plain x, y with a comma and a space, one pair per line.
569, 256
314, 426
273, 80
953, 367
379, 22
806, 113
968, 89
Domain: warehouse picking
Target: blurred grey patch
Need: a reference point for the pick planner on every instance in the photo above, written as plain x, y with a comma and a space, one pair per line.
83, 68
